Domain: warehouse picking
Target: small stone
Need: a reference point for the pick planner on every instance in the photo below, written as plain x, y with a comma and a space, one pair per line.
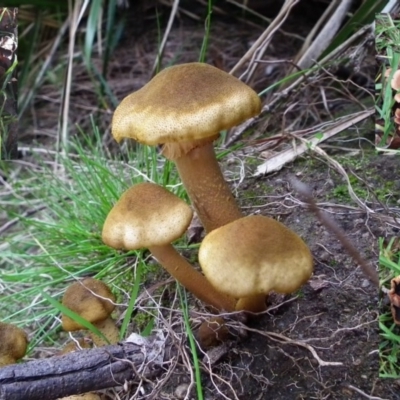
365, 283
181, 390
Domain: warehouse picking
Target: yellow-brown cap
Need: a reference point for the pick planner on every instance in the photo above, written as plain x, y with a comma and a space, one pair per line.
255, 255
395, 83
183, 103
146, 215
91, 299
13, 343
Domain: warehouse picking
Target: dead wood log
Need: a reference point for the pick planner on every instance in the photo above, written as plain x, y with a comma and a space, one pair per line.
83, 371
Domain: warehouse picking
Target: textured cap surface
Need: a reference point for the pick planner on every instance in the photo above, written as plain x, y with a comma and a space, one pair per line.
13, 343
146, 215
254, 255
79, 298
184, 102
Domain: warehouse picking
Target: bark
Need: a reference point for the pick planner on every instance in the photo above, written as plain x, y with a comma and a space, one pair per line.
8, 83
82, 371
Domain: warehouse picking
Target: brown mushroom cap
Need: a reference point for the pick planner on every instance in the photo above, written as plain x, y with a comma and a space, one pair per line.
394, 297
146, 215
182, 103
13, 343
395, 82
255, 255
80, 299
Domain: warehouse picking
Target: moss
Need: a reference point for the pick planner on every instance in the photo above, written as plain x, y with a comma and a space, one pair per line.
141, 320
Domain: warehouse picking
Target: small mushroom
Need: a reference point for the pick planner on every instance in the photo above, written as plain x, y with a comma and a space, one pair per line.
252, 256
93, 301
13, 344
185, 107
212, 332
84, 396
395, 84
149, 216
394, 297
397, 116
76, 346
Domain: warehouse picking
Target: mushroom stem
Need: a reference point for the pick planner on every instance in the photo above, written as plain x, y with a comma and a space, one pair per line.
208, 191
190, 278
108, 328
254, 303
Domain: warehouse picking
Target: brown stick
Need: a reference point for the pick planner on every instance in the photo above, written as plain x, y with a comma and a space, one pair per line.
329, 224
79, 372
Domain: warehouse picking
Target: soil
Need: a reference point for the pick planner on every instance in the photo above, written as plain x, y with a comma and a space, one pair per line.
287, 353
335, 312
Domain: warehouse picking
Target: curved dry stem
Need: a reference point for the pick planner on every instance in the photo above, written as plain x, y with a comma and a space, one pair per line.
190, 278
208, 191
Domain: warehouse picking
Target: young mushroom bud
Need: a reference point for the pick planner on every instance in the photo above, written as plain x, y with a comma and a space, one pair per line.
149, 216
212, 332
93, 301
13, 344
185, 107
252, 256
394, 297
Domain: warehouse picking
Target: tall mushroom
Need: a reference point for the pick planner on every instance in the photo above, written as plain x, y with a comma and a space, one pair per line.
252, 256
149, 216
92, 300
13, 344
185, 107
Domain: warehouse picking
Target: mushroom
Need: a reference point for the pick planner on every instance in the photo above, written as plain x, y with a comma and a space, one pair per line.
395, 84
397, 116
394, 297
252, 256
184, 107
13, 344
93, 301
76, 346
212, 332
84, 396
149, 216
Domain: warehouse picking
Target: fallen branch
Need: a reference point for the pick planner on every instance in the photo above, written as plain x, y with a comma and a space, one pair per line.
83, 371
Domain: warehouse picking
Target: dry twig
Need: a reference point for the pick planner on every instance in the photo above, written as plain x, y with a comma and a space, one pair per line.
305, 192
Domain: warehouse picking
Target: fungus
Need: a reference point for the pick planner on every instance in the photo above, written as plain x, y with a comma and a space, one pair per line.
394, 297
212, 332
76, 346
149, 216
84, 396
92, 300
13, 344
185, 107
252, 256
395, 84
397, 116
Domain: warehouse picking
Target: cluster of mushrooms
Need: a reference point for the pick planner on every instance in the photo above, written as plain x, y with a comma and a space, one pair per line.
243, 258
92, 300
